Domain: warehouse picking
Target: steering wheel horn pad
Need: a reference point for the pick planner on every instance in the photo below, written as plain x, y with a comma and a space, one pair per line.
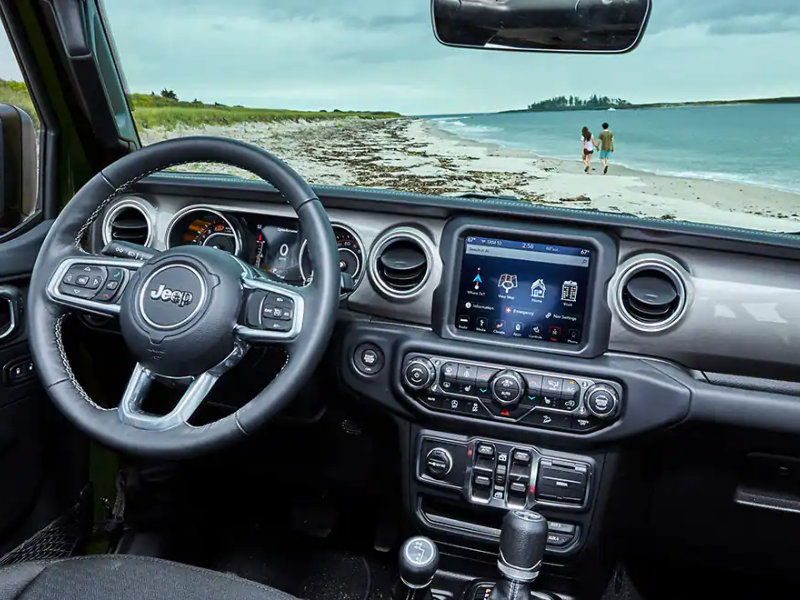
181, 312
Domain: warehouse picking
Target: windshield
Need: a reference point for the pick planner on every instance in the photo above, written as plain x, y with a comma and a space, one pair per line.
700, 123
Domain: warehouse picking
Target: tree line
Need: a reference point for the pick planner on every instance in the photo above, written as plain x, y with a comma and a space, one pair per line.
594, 102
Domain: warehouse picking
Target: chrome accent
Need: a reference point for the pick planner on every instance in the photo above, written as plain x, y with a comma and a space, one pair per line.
12, 318
663, 264
98, 308
359, 270
130, 407
260, 335
380, 244
237, 236
119, 207
203, 295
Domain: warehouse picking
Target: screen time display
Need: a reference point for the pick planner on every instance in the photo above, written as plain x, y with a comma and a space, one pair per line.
525, 290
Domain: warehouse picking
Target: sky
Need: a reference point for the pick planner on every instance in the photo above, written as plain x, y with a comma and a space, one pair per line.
382, 55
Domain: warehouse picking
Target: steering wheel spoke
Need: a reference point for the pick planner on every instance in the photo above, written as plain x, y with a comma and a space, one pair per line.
272, 312
91, 283
131, 411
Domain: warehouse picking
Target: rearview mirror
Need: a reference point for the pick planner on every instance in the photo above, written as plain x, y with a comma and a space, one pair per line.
602, 26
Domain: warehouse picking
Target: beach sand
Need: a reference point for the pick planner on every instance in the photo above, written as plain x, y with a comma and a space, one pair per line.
416, 156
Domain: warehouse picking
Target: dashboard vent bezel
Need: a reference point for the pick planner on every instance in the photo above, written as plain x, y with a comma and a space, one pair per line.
114, 212
406, 234
665, 267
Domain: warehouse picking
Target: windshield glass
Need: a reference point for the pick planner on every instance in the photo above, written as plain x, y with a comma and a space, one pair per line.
360, 93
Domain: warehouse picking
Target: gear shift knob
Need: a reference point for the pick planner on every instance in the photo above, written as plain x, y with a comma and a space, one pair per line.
522, 541
419, 559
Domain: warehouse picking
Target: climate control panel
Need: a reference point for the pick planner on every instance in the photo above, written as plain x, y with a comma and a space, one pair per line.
546, 400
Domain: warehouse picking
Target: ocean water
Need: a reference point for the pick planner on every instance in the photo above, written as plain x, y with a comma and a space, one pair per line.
758, 144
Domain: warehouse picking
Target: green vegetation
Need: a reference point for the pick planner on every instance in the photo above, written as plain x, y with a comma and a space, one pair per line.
562, 103
166, 110
574, 103
151, 110
16, 93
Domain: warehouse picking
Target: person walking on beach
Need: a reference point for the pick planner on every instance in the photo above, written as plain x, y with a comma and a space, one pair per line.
606, 146
588, 146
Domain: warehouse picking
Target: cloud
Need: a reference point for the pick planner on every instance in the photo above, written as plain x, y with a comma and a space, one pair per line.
381, 54
726, 17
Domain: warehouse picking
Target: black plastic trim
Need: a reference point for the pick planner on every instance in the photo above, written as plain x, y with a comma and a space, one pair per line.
654, 398
597, 318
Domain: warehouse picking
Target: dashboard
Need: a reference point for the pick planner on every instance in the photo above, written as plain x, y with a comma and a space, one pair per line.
517, 346
272, 244
697, 298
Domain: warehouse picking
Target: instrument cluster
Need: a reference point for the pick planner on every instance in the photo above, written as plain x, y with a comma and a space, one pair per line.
272, 244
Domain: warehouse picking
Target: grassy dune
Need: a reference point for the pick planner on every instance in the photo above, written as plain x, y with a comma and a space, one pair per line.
150, 111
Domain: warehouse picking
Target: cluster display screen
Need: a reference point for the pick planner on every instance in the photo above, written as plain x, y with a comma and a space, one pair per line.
527, 290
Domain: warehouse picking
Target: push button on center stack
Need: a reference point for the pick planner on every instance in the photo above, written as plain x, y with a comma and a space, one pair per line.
466, 379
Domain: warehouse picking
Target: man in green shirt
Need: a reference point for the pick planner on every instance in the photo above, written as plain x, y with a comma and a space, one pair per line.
606, 146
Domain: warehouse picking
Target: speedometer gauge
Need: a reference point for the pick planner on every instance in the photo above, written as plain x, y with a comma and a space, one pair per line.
204, 227
351, 255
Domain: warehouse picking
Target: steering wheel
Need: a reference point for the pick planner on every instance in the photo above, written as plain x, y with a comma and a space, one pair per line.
189, 313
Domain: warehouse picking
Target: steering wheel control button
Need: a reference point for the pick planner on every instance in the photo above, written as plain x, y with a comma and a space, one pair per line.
369, 359
507, 388
419, 373
602, 401
438, 463
114, 284
83, 281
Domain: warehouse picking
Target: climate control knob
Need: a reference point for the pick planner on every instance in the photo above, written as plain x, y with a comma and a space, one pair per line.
507, 387
602, 401
419, 373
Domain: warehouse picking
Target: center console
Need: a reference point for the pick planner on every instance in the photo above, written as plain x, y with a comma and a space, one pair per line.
509, 401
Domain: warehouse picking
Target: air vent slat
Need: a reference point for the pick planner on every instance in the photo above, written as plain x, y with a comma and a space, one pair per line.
128, 223
401, 266
652, 296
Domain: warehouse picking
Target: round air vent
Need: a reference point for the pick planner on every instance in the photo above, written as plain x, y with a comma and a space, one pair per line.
400, 263
651, 295
127, 222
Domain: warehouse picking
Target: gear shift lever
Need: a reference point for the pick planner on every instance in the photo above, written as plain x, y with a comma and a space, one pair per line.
522, 541
419, 559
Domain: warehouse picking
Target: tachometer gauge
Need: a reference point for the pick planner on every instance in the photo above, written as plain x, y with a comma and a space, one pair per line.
204, 227
351, 255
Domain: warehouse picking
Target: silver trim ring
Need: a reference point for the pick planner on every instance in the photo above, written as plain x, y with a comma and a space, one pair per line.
381, 243
135, 204
12, 318
359, 270
664, 266
202, 208
203, 294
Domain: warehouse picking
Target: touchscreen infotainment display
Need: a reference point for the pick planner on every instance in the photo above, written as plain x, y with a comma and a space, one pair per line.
529, 290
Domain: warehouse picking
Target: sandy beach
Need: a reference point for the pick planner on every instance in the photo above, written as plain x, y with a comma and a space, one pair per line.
414, 155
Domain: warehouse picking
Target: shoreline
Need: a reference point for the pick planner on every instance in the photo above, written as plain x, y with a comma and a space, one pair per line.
655, 195
619, 167
414, 155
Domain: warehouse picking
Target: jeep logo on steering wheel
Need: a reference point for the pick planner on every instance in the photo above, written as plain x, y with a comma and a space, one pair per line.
171, 296
165, 294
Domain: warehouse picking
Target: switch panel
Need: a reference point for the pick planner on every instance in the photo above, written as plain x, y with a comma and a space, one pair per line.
553, 401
